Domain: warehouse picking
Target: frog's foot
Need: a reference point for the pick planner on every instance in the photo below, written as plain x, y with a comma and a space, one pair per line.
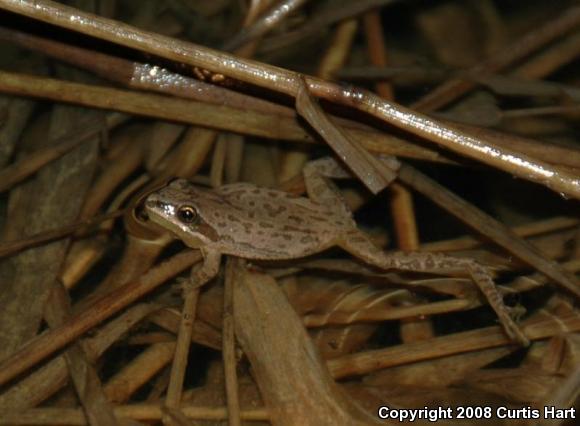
202, 275
188, 284
184, 284
516, 312
511, 328
506, 291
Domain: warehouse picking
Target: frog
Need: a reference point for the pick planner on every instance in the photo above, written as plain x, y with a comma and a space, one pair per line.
257, 223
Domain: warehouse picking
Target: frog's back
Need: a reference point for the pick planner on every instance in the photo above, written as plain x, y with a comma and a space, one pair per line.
281, 208
270, 224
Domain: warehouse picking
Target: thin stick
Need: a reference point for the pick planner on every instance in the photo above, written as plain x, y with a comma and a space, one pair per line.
243, 121
139, 75
532, 229
51, 341
229, 343
21, 169
530, 42
488, 226
490, 337
264, 23
175, 388
84, 376
288, 82
538, 111
326, 17
401, 200
12, 247
143, 412
368, 315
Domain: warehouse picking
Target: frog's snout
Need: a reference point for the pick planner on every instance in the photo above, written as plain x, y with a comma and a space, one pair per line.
145, 207
152, 203
155, 207
142, 209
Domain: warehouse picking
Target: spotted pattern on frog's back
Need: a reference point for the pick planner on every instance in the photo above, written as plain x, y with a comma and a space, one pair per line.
275, 220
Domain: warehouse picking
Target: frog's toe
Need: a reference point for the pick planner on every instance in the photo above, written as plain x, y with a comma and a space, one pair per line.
188, 284
516, 312
182, 283
517, 335
511, 327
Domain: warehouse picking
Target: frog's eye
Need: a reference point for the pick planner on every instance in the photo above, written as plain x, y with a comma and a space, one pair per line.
187, 214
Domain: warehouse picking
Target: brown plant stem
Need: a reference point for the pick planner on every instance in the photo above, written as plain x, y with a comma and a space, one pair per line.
530, 42
288, 82
51, 341
202, 114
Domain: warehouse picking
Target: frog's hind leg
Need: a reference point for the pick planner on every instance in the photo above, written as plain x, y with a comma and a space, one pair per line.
359, 245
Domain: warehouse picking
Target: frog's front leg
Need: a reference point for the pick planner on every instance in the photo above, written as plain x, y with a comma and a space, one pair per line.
199, 276
360, 246
209, 269
323, 192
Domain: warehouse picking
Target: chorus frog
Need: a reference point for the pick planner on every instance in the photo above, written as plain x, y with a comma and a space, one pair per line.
252, 222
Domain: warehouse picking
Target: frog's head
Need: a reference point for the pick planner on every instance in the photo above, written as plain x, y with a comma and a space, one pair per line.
177, 208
